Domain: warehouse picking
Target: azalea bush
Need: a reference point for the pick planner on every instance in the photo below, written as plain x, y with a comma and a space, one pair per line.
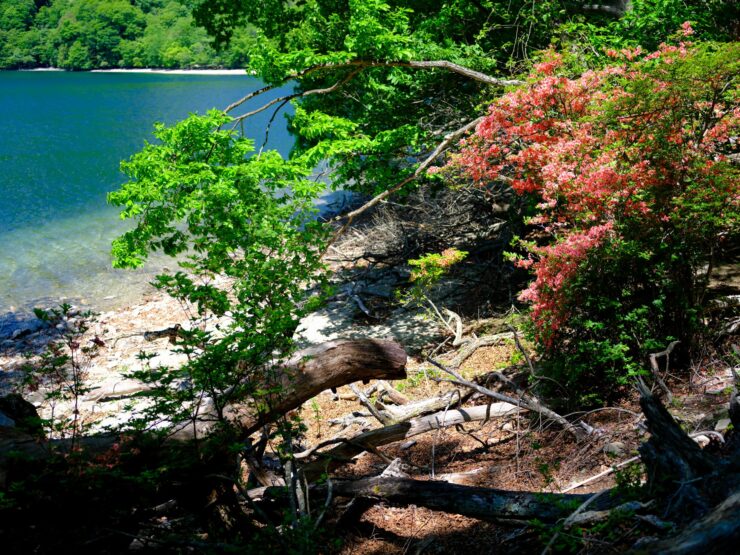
632, 194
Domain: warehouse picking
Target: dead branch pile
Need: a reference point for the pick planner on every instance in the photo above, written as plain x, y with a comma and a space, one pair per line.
430, 221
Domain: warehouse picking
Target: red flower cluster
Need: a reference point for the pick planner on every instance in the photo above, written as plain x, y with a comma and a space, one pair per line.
610, 152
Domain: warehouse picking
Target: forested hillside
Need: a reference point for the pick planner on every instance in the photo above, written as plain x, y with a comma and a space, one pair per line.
99, 34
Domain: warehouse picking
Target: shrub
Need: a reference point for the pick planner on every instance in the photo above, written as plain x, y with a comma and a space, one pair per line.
634, 195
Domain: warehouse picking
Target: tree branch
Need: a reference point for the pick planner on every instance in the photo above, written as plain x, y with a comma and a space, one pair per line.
526, 401
289, 97
360, 65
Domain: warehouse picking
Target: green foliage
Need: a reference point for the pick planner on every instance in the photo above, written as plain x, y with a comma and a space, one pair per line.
89, 34
650, 22
414, 380
243, 229
629, 480
427, 271
393, 116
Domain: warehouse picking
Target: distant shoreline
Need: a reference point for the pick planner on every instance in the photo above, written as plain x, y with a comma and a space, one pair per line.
240, 72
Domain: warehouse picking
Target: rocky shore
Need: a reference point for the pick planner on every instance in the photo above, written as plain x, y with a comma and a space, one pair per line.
363, 306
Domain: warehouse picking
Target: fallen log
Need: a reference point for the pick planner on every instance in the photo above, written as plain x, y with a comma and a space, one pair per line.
420, 408
352, 447
475, 502
305, 375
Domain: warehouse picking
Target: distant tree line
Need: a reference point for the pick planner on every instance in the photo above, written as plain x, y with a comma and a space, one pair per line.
93, 34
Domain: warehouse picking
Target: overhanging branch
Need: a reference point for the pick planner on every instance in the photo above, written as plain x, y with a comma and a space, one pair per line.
362, 64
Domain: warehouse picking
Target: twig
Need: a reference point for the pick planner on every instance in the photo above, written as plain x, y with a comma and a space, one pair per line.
601, 474
293, 96
368, 405
656, 370
526, 401
329, 496
476, 344
458, 327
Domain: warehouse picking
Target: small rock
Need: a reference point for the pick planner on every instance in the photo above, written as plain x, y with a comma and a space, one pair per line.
615, 449
509, 427
408, 445
722, 425
702, 441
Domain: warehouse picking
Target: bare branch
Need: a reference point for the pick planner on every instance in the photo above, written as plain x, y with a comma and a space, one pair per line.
656, 370
525, 400
362, 64
289, 97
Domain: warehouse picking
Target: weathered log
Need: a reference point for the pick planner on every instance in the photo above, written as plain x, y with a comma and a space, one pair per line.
350, 448
425, 406
305, 375
482, 503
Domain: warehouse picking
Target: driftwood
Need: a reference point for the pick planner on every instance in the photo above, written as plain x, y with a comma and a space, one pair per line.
350, 448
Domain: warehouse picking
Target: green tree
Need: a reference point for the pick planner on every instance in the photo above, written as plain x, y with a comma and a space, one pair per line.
201, 194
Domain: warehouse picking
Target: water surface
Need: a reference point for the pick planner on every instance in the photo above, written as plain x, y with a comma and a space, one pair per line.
62, 137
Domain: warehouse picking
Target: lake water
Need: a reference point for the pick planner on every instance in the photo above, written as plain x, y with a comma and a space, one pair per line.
62, 137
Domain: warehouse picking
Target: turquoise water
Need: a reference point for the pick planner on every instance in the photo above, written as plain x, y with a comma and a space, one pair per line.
62, 136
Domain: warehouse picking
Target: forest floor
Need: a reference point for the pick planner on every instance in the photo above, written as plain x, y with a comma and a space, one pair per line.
518, 453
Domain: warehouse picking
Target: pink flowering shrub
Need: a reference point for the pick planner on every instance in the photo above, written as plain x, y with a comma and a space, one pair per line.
628, 169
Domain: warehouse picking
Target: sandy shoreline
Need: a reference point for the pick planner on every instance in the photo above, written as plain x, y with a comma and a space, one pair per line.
239, 72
